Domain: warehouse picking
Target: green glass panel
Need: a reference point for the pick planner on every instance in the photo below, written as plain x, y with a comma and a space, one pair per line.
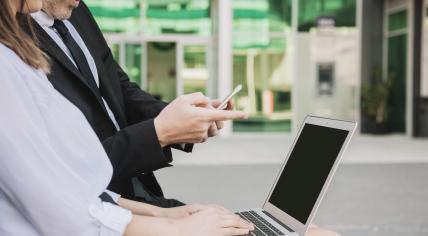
177, 17
133, 57
162, 70
397, 62
397, 21
426, 16
342, 11
251, 14
115, 13
160, 17
262, 16
115, 51
117, 16
195, 71
250, 23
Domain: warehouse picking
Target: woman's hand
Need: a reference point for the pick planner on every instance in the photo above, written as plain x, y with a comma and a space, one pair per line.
200, 220
213, 222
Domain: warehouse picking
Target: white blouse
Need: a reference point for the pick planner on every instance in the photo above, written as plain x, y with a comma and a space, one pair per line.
52, 165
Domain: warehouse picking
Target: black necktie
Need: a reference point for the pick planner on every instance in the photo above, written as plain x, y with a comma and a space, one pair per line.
107, 198
77, 53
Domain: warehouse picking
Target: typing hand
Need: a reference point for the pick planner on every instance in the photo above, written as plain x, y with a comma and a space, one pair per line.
213, 222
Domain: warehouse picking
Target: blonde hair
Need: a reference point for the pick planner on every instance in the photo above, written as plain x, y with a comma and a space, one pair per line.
13, 37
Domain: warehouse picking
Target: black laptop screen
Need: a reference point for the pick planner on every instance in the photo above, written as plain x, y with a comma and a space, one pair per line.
307, 169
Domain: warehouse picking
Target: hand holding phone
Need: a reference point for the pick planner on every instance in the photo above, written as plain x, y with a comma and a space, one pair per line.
223, 104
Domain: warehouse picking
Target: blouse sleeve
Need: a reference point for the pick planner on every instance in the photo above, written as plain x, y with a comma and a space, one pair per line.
113, 195
37, 182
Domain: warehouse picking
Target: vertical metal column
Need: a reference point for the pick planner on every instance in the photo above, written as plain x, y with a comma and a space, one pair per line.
179, 65
359, 16
294, 56
222, 30
410, 78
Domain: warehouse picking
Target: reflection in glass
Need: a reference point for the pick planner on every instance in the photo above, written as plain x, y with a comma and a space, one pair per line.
343, 11
133, 57
177, 17
115, 51
396, 70
397, 21
117, 16
132, 60
397, 54
266, 93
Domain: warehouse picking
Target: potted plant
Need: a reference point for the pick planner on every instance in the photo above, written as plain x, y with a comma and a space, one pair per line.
374, 103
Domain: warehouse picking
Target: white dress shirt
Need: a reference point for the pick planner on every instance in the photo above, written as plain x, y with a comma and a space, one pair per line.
52, 165
47, 22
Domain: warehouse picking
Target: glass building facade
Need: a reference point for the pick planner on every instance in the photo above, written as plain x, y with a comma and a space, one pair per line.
169, 48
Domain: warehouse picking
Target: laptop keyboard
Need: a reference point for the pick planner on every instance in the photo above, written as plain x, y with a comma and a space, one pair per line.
262, 226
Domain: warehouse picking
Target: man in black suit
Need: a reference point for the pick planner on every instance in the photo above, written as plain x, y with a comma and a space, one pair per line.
136, 129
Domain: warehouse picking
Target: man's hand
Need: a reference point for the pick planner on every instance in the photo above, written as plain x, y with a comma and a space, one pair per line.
188, 118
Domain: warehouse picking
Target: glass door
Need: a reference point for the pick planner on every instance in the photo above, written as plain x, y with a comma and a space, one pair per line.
395, 67
194, 73
424, 80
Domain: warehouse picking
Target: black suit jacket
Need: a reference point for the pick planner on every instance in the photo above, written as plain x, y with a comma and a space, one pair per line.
134, 149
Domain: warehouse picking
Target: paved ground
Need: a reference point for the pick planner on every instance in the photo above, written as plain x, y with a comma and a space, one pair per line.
363, 200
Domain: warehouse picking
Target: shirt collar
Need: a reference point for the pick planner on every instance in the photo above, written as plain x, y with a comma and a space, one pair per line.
43, 19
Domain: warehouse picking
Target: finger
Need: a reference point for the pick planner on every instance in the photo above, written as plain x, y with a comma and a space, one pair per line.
212, 131
215, 103
219, 124
235, 231
235, 221
230, 105
205, 136
222, 115
197, 99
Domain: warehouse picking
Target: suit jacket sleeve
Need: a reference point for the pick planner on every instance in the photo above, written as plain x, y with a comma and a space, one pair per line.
134, 149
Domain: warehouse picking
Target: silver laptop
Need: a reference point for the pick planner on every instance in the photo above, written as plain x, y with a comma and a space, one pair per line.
303, 179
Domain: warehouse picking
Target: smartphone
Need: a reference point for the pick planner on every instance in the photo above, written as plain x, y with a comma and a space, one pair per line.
223, 104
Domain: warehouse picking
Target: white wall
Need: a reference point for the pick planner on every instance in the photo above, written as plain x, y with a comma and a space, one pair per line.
341, 49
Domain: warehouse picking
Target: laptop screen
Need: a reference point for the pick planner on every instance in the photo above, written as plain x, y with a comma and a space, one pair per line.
307, 169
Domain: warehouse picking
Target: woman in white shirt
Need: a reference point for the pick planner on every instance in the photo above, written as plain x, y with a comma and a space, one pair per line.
52, 166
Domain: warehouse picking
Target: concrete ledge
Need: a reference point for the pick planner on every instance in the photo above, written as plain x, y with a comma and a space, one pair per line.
272, 149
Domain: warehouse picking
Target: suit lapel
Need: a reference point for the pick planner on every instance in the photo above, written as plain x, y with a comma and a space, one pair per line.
48, 45
109, 95
105, 85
